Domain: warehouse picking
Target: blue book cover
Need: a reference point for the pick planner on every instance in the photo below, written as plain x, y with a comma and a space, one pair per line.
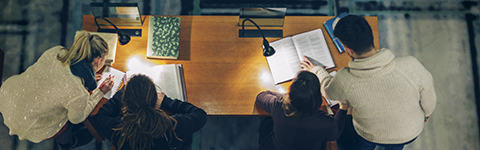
330, 25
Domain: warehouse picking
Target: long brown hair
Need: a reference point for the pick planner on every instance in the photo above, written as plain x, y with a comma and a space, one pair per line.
141, 122
304, 98
85, 47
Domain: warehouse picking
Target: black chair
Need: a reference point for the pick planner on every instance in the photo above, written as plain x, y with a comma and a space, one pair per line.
2, 58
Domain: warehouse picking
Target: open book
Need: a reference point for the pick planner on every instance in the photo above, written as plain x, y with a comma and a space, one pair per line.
167, 78
285, 63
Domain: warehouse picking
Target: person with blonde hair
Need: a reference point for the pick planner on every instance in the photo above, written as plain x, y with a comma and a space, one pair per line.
296, 120
56, 93
134, 119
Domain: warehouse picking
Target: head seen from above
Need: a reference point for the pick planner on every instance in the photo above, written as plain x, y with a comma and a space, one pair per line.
88, 47
355, 33
304, 98
142, 122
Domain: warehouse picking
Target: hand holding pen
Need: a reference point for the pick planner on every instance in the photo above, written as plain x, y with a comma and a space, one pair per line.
107, 85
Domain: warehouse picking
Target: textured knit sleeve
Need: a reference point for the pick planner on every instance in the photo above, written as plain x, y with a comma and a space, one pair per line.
81, 105
267, 100
428, 98
331, 87
190, 118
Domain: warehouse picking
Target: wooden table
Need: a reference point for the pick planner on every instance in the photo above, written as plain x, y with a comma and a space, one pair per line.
223, 73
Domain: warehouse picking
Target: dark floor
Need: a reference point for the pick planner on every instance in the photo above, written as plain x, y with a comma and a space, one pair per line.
440, 34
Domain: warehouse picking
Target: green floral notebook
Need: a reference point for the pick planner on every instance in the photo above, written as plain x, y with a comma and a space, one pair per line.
163, 37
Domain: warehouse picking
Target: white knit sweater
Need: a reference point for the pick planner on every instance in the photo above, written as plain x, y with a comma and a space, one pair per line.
37, 103
390, 96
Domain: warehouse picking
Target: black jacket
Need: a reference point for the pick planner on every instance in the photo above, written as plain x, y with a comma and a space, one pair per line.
189, 120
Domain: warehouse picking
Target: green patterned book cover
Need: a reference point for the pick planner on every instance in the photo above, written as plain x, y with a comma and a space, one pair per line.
163, 37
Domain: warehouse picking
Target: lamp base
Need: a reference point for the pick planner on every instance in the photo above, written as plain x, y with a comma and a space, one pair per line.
257, 33
131, 32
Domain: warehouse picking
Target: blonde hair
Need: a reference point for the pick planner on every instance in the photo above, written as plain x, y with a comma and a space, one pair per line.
85, 47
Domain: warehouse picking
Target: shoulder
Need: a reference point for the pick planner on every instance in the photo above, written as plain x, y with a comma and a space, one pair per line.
410, 64
407, 60
343, 76
54, 50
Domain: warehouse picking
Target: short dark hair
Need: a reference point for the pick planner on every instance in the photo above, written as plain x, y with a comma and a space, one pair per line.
304, 98
355, 33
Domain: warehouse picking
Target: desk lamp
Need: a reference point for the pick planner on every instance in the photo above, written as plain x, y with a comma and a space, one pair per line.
123, 38
267, 49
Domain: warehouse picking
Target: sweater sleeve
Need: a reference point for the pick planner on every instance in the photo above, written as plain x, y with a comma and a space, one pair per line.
428, 98
330, 88
108, 116
81, 105
189, 117
339, 118
267, 100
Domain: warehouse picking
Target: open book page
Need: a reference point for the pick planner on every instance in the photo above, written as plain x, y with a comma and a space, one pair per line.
284, 64
117, 80
313, 45
166, 78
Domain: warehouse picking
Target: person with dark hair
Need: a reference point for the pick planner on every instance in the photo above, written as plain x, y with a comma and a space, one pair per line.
296, 120
57, 93
134, 118
391, 98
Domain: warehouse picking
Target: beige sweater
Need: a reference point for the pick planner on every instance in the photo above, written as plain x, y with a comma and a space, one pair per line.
37, 103
391, 96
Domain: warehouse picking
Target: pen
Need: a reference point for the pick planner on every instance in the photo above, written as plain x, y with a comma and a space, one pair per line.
104, 82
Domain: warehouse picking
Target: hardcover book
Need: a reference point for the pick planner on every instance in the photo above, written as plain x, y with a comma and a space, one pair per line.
285, 63
330, 25
163, 37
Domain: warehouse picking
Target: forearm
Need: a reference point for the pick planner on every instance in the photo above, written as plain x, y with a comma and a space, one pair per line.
267, 100
324, 77
428, 102
82, 105
428, 97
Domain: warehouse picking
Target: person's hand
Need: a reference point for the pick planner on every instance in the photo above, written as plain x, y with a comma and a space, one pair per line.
307, 64
426, 118
98, 77
343, 104
107, 85
160, 96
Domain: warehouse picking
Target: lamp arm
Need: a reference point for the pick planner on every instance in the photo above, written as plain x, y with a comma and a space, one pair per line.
267, 49
98, 26
122, 37
243, 27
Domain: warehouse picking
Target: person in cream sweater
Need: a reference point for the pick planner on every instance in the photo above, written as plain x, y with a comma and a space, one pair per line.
391, 97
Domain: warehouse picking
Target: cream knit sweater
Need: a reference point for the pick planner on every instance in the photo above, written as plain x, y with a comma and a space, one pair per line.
37, 103
390, 96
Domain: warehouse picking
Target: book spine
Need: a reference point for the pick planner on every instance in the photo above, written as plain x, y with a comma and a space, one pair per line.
337, 43
182, 80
